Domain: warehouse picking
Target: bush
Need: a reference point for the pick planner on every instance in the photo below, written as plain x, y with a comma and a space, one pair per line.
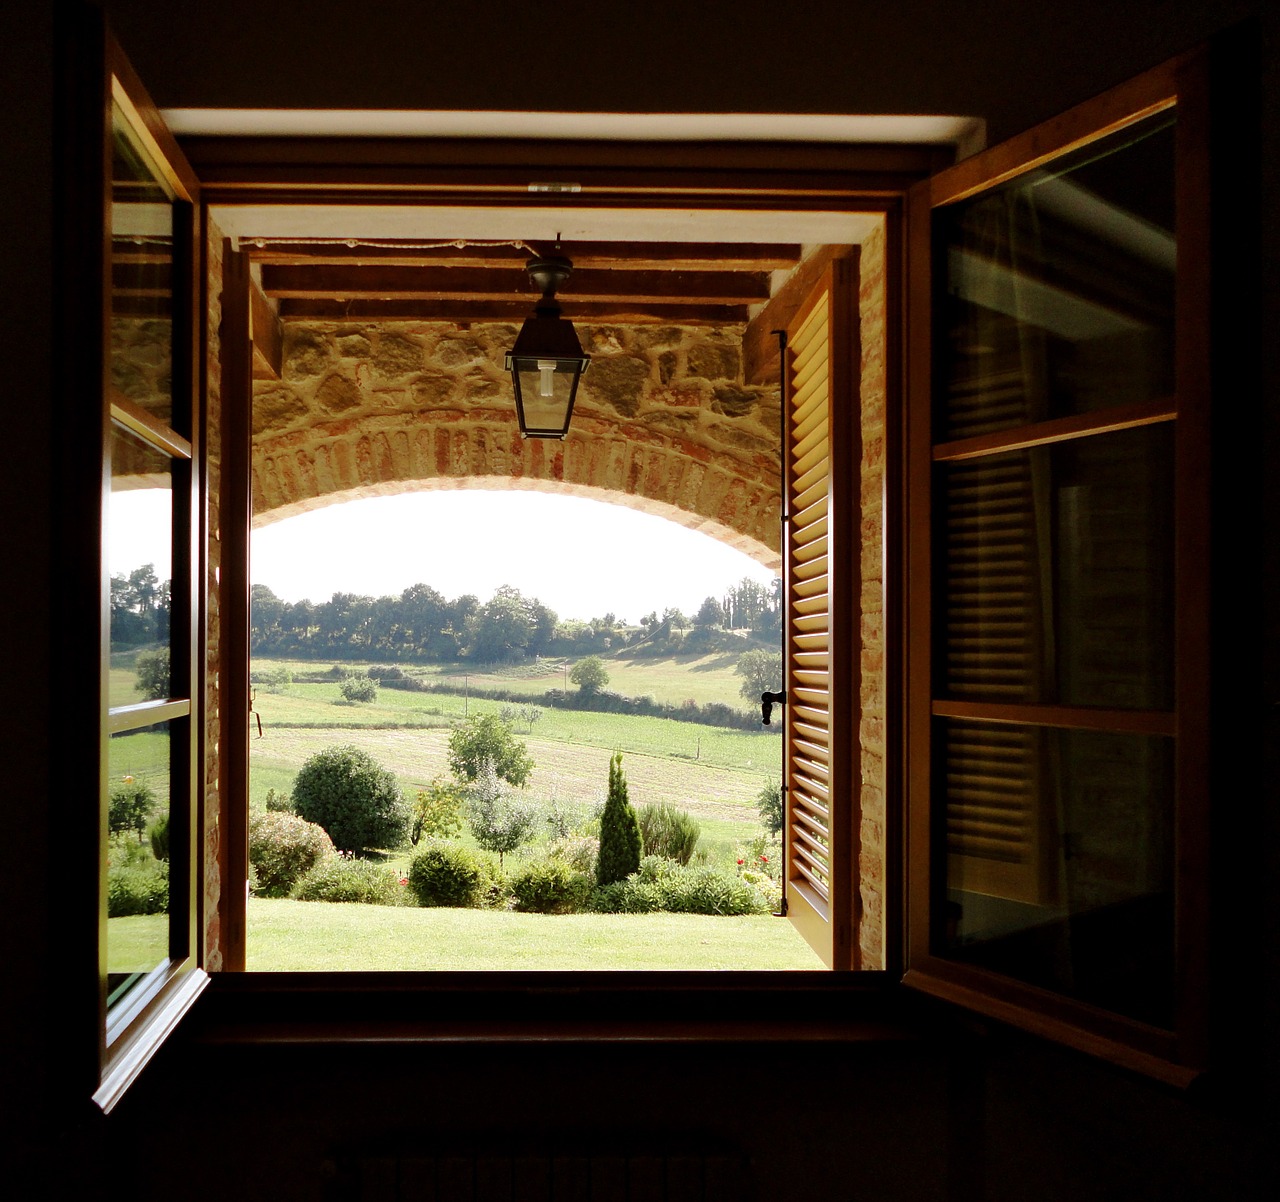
437, 811
706, 891
282, 849
668, 832
486, 737
619, 830
137, 889
550, 887
447, 874
129, 806
354, 798
342, 879
359, 688
632, 896
279, 803
580, 852
158, 837
590, 674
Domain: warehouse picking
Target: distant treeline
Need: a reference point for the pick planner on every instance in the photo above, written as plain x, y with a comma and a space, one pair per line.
422, 626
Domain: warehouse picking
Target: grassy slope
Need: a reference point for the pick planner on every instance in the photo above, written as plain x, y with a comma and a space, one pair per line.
303, 936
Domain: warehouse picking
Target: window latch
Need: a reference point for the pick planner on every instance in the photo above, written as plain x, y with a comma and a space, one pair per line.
767, 702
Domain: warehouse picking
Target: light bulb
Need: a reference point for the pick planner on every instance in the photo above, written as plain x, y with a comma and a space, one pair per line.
546, 369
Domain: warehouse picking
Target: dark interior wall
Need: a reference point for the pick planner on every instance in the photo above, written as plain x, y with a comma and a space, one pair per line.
1004, 1119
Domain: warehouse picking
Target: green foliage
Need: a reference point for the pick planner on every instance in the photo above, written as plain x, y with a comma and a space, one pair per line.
487, 737
769, 802
354, 798
343, 879
278, 679
448, 874
589, 674
158, 837
283, 848
761, 672
663, 885
619, 830
550, 887
580, 852
668, 832
359, 688
437, 811
152, 669
498, 823
137, 888
279, 803
129, 807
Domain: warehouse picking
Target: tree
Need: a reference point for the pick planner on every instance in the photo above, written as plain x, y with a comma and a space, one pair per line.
500, 629
354, 798
437, 812
152, 671
761, 672
619, 830
497, 822
487, 737
710, 613
129, 806
590, 675
769, 803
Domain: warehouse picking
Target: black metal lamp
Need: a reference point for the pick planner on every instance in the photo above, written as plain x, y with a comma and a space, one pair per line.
546, 362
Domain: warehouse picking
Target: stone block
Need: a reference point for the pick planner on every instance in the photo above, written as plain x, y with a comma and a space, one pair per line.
397, 355
714, 361
619, 381
337, 394
307, 353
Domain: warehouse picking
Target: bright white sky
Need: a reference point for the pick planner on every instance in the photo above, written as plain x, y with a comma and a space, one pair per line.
583, 558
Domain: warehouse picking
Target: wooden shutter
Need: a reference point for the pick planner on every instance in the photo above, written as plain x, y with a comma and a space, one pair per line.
822, 456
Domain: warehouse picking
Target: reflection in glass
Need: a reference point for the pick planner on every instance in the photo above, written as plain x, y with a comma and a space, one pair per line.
141, 277
1058, 289
1056, 565
1059, 861
140, 550
138, 783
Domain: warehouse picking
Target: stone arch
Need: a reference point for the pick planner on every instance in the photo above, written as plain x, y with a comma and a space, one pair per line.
663, 424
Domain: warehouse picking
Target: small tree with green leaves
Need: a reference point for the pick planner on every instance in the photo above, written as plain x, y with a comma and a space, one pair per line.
769, 802
761, 672
359, 688
590, 675
129, 807
152, 671
619, 830
497, 821
437, 812
354, 798
487, 737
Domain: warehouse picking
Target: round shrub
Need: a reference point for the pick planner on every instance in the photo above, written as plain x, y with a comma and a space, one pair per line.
550, 887
354, 798
447, 874
359, 688
137, 889
282, 847
340, 879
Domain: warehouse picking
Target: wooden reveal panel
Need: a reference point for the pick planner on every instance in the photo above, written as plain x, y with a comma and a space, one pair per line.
822, 457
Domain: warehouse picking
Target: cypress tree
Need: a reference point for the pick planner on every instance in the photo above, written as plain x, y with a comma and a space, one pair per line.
619, 830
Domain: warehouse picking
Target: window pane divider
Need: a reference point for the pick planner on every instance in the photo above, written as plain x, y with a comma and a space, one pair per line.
1060, 429
138, 421
145, 713
1063, 717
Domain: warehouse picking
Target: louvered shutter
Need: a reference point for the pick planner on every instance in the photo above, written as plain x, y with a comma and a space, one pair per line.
822, 457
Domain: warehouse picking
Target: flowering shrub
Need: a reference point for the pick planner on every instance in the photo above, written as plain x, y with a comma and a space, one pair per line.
283, 848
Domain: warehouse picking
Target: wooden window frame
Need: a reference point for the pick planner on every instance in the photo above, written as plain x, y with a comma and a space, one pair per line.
1179, 86
104, 1050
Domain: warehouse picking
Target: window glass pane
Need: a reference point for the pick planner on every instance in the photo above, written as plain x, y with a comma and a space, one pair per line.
140, 554
1056, 568
139, 775
1057, 289
1057, 848
141, 278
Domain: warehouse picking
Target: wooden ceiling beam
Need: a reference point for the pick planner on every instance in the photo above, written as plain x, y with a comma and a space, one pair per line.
465, 313
620, 256
410, 283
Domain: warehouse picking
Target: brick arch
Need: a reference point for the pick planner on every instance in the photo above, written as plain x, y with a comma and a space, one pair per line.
401, 408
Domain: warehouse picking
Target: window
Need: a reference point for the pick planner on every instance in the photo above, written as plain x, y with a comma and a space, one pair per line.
1058, 637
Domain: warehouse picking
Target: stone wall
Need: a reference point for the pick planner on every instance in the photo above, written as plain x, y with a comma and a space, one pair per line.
663, 423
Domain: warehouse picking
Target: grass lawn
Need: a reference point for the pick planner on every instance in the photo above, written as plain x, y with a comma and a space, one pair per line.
293, 936
137, 943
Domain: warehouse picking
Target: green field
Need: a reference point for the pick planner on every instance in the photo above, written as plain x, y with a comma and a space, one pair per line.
297, 936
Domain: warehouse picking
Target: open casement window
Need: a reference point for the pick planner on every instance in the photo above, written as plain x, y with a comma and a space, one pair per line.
822, 454
130, 518
1057, 622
